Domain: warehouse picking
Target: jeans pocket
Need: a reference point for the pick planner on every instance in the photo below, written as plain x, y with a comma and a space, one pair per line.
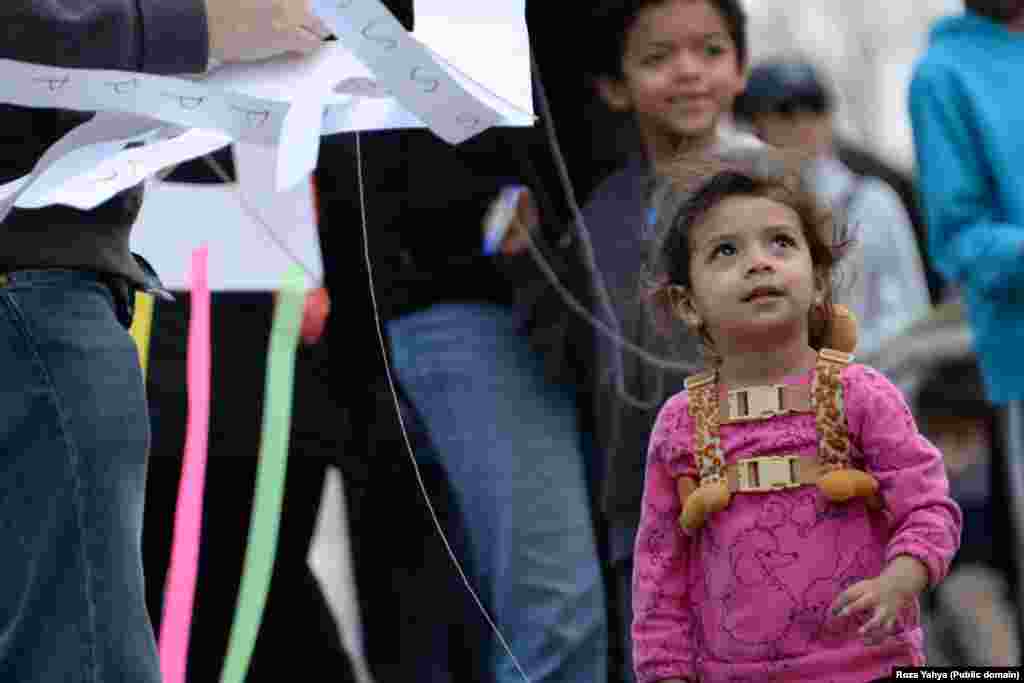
122, 292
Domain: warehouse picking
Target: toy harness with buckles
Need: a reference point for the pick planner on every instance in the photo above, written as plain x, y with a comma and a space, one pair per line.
830, 469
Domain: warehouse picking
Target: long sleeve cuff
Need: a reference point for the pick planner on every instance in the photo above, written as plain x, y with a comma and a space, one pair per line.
175, 36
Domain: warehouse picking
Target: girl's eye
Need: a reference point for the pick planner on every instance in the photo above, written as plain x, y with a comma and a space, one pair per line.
724, 249
785, 240
714, 50
653, 59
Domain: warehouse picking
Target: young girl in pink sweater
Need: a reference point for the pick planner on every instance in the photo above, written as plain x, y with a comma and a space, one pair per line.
792, 513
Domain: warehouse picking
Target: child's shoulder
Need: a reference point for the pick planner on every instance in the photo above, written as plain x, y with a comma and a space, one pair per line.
674, 409
861, 375
673, 425
866, 388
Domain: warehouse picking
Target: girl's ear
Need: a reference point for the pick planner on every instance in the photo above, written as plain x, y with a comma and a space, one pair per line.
614, 93
820, 279
682, 306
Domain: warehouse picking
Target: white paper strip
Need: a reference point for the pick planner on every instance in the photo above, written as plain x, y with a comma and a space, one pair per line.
486, 40
131, 167
100, 137
376, 76
408, 70
178, 101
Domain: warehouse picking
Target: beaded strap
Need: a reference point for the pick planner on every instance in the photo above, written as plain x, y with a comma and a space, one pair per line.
703, 391
830, 410
826, 400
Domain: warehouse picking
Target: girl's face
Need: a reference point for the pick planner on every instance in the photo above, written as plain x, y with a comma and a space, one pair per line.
751, 274
681, 71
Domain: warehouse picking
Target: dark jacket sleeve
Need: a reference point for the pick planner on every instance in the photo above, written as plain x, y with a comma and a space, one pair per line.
152, 36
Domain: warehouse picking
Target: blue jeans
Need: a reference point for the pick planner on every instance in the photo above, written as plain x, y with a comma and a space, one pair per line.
73, 458
509, 444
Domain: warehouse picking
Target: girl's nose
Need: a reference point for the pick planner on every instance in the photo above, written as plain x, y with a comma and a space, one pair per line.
759, 263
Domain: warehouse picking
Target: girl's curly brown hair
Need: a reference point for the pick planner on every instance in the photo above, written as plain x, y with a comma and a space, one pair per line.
687, 188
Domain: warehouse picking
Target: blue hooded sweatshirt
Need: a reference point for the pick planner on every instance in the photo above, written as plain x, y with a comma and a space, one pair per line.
967, 109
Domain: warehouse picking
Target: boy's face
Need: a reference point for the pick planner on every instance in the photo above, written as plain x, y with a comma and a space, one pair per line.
681, 71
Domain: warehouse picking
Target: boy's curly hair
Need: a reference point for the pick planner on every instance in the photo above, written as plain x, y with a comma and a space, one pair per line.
611, 20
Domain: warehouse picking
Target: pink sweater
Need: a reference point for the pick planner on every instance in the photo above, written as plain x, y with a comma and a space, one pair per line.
747, 597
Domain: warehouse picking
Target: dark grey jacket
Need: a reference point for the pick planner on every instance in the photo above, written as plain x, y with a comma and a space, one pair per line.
616, 218
153, 36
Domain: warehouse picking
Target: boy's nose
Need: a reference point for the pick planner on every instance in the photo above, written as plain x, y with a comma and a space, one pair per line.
687, 65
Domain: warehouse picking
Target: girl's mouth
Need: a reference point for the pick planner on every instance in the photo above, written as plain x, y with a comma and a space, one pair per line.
763, 293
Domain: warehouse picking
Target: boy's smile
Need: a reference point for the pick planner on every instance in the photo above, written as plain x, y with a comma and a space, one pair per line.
681, 70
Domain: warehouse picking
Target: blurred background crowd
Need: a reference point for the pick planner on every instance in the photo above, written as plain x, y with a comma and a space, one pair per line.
473, 382
825, 65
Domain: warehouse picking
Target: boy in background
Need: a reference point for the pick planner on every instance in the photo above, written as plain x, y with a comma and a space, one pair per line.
675, 67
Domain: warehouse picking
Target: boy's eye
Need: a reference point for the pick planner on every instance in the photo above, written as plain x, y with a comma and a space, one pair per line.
714, 50
653, 59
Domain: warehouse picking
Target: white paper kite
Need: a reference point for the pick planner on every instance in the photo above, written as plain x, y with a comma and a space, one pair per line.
375, 76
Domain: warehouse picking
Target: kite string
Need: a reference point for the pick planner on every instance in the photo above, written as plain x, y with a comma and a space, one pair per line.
597, 278
254, 214
583, 235
401, 420
223, 175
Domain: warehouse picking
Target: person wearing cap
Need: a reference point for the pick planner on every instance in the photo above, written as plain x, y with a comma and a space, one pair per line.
788, 105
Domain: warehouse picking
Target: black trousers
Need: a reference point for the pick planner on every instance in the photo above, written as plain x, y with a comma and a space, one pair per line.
296, 612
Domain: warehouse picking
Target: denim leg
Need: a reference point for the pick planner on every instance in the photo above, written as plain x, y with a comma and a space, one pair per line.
508, 441
72, 472
624, 579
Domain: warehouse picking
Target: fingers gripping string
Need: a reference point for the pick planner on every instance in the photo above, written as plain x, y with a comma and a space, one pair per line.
401, 420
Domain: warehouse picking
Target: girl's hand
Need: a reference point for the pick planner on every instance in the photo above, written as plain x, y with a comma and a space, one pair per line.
886, 595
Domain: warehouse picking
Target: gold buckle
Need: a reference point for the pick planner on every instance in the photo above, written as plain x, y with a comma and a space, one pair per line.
755, 403
767, 473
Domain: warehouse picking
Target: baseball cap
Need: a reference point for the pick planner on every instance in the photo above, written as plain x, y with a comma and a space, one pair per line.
782, 84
